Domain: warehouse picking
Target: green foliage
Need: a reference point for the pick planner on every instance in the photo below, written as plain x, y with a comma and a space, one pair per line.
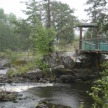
43, 66
12, 56
100, 90
63, 21
97, 11
8, 38
56, 14
16, 34
90, 33
22, 69
11, 72
25, 68
42, 39
34, 12
23, 29
81, 105
3, 55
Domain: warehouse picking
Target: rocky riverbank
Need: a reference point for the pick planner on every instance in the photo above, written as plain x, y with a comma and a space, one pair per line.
62, 68
47, 104
74, 67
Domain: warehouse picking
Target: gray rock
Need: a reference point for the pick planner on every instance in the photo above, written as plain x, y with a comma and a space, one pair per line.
60, 70
41, 80
4, 63
78, 81
59, 67
44, 81
34, 74
68, 62
57, 58
47, 104
42, 105
79, 73
84, 74
69, 54
58, 80
52, 59
67, 78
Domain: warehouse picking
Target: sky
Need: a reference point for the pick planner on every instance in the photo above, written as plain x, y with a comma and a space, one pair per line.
14, 6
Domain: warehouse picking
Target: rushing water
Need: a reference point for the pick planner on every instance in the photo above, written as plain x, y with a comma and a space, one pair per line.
65, 94
3, 71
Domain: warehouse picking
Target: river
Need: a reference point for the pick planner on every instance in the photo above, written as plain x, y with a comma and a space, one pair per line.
65, 94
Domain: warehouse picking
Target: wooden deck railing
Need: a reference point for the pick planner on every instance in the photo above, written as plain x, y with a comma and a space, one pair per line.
95, 44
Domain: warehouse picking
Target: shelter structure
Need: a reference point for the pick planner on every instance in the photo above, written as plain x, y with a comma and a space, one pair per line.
99, 44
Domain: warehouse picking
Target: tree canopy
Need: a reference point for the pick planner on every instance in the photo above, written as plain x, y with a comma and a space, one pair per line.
8, 38
52, 14
47, 21
97, 11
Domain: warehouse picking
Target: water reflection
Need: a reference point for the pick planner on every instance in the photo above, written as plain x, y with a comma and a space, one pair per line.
64, 94
69, 95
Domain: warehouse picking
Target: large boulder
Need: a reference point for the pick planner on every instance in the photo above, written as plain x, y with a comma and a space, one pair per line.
47, 104
34, 74
84, 74
61, 70
67, 78
52, 59
68, 62
58, 58
4, 64
69, 66
91, 60
59, 67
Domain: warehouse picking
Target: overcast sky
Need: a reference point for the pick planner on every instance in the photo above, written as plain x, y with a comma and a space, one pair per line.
14, 6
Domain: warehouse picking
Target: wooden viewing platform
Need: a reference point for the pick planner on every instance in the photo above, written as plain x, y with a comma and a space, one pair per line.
93, 45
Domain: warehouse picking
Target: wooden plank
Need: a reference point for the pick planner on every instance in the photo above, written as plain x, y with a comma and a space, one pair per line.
95, 39
93, 51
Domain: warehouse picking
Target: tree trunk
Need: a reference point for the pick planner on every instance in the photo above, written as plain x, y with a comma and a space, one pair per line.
49, 15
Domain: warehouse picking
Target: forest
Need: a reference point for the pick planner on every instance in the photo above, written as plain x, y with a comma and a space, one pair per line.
45, 22
37, 49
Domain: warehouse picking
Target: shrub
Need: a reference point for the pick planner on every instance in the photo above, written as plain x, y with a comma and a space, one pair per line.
100, 90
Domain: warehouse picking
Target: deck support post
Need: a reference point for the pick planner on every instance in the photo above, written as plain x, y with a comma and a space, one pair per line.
80, 42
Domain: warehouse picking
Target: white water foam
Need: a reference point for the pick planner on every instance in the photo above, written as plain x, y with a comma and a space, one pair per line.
23, 87
3, 71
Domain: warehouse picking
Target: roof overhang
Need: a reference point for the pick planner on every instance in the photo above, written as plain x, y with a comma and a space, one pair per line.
87, 25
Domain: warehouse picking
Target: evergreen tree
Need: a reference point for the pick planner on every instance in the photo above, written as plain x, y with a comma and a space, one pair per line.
8, 38
52, 14
98, 13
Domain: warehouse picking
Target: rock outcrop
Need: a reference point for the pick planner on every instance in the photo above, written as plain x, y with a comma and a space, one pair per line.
4, 63
34, 74
66, 69
57, 58
47, 104
63, 68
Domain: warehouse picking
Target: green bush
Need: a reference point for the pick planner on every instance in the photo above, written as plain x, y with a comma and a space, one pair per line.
12, 55
43, 66
100, 90
42, 39
12, 71
22, 69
